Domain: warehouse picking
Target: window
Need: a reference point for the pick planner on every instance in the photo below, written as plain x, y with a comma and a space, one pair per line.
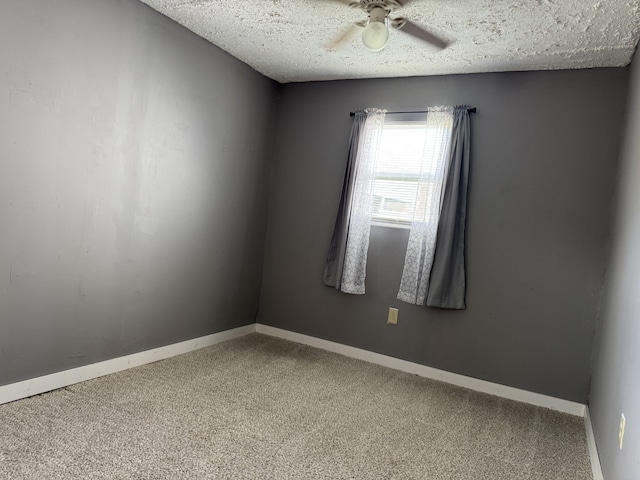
403, 171
406, 168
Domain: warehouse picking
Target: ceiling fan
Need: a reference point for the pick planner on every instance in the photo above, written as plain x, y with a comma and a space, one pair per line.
375, 33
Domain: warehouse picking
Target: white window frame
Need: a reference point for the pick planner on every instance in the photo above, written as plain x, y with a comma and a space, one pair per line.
398, 119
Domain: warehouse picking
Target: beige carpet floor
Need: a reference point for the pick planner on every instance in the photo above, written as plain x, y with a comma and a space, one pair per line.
264, 408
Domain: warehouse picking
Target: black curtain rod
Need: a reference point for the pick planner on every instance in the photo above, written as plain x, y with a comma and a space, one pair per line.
470, 110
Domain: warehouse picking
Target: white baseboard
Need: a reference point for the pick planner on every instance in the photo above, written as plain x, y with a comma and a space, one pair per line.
596, 468
503, 391
35, 386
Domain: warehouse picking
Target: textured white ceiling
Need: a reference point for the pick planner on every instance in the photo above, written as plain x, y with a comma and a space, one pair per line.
283, 39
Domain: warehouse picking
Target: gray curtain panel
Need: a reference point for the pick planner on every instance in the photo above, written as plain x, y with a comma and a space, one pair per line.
332, 276
434, 169
447, 282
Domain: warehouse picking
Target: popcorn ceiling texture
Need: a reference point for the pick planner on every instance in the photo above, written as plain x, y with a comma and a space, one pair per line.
283, 39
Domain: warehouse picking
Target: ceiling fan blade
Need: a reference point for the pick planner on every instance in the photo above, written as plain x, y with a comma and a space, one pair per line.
414, 30
342, 39
348, 3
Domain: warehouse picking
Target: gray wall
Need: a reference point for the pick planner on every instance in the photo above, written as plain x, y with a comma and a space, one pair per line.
544, 155
616, 371
133, 179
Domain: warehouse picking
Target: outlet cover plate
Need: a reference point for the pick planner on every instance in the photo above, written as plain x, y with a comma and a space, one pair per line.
393, 316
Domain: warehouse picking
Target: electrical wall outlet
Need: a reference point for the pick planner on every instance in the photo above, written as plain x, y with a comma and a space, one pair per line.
393, 316
623, 422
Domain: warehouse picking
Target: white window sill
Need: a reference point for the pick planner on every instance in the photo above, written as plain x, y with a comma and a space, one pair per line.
405, 226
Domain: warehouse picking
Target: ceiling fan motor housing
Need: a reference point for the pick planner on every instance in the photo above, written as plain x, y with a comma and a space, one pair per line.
379, 10
387, 5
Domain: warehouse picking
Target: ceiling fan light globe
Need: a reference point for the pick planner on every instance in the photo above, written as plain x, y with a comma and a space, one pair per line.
375, 36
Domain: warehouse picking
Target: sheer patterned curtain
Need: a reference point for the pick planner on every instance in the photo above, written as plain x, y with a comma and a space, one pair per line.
347, 259
424, 226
